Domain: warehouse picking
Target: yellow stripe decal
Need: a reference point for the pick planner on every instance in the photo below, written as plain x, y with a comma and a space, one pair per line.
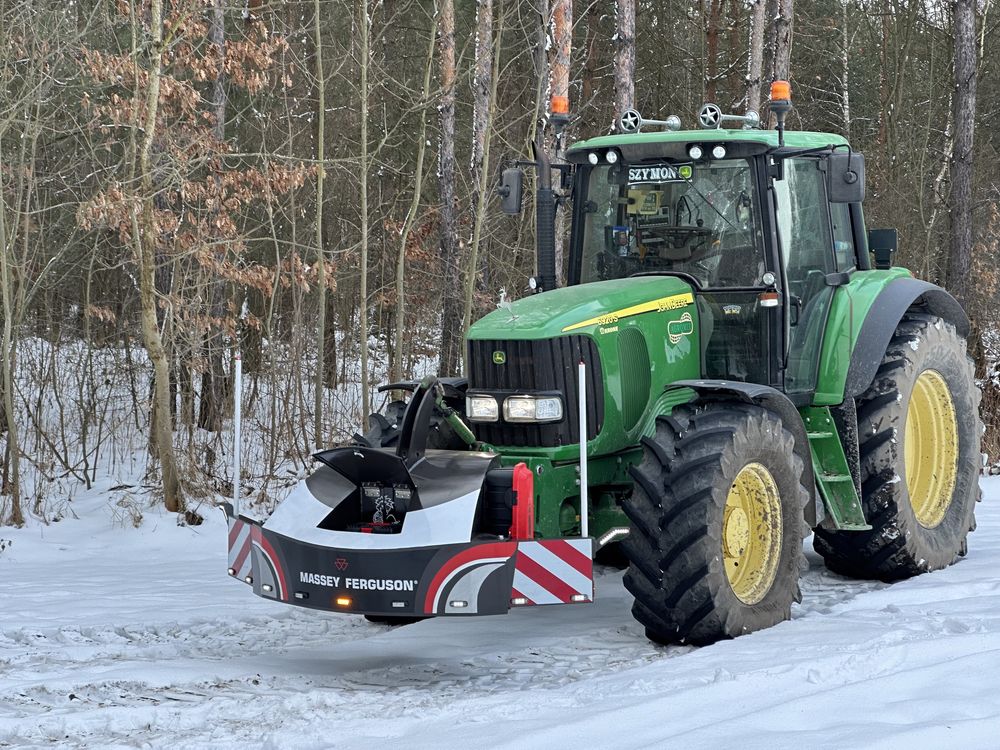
673, 302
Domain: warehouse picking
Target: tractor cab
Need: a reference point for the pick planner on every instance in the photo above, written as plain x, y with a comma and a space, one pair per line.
763, 225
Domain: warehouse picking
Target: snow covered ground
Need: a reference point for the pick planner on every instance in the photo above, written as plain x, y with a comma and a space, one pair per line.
120, 637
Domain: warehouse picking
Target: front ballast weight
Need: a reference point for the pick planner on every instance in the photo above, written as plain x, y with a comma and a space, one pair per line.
409, 532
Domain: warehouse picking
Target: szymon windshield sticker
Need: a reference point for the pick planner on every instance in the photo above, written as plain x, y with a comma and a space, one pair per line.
659, 173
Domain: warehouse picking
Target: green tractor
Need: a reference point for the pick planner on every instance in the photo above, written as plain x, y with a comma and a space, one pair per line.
733, 364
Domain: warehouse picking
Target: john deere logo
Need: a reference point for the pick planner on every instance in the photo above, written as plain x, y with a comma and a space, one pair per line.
499, 358
678, 329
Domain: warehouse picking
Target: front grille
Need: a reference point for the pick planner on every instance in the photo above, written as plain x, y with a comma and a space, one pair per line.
536, 366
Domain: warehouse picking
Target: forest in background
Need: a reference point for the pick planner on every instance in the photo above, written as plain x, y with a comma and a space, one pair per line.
310, 183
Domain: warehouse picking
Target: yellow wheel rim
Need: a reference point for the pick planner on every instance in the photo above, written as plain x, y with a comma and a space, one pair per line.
930, 448
751, 533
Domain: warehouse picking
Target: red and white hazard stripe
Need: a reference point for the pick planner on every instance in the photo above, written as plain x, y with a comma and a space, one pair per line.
239, 548
554, 571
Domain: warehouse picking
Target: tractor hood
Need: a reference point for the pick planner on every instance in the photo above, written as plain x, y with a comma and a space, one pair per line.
634, 336
582, 308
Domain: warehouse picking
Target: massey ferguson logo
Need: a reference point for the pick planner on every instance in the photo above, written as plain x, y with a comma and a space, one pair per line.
358, 584
341, 563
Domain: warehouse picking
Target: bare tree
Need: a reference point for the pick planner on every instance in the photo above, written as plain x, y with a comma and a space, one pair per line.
320, 375
484, 86
451, 322
366, 55
411, 214
213, 395
781, 35
624, 57
144, 232
712, 49
964, 103
755, 56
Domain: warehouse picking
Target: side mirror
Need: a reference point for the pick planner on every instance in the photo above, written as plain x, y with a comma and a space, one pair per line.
511, 191
845, 177
883, 243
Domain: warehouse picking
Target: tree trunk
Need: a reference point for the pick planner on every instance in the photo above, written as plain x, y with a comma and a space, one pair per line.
451, 323
755, 65
734, 84
363, 292
145, 237
484, 95
213, 392
411, 216
559, 65
320, 375
960, 259
12, 477
845, 69
712, 50
782, 34
624, 56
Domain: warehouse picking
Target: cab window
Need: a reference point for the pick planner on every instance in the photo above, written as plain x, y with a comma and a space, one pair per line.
700, 219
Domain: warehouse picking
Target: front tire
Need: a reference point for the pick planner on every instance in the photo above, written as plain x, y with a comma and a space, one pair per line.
715, 548
918, 435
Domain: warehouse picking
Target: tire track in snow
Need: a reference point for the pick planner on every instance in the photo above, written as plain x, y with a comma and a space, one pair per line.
37, 709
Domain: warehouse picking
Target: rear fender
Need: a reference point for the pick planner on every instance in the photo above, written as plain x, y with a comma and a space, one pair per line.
899, 296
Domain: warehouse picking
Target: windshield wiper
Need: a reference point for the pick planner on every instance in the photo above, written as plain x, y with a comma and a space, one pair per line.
709, 203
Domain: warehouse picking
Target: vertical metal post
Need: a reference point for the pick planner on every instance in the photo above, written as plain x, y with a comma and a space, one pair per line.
584, 500
237, 426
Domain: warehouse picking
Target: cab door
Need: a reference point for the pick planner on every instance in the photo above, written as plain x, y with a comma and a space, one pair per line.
806, 240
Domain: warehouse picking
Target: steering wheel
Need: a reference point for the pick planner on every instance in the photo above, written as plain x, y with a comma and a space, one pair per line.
684, 242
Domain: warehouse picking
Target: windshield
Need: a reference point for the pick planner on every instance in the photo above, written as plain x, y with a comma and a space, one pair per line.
697, 219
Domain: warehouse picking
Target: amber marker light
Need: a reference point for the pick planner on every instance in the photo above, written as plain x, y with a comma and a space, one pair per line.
781, 91
343, 601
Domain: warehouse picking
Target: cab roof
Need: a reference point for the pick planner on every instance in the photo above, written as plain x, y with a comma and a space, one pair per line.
794, 139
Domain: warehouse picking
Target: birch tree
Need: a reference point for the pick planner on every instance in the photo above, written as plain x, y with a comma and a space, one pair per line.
484, 88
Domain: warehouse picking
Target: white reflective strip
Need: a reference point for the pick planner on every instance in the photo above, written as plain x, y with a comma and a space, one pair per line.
539, 595
459, 569
581, 545
557, 567
247, 566
242, 539
467, 589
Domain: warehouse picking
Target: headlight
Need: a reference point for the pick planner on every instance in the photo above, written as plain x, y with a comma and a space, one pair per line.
482, 408
532, 409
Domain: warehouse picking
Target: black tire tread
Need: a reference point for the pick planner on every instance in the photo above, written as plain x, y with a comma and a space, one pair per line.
886, 553
678, 594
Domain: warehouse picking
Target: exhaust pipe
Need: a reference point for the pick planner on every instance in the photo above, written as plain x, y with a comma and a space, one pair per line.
545, 220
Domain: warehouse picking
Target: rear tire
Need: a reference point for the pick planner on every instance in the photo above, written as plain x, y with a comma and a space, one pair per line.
688, 536
922, 405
